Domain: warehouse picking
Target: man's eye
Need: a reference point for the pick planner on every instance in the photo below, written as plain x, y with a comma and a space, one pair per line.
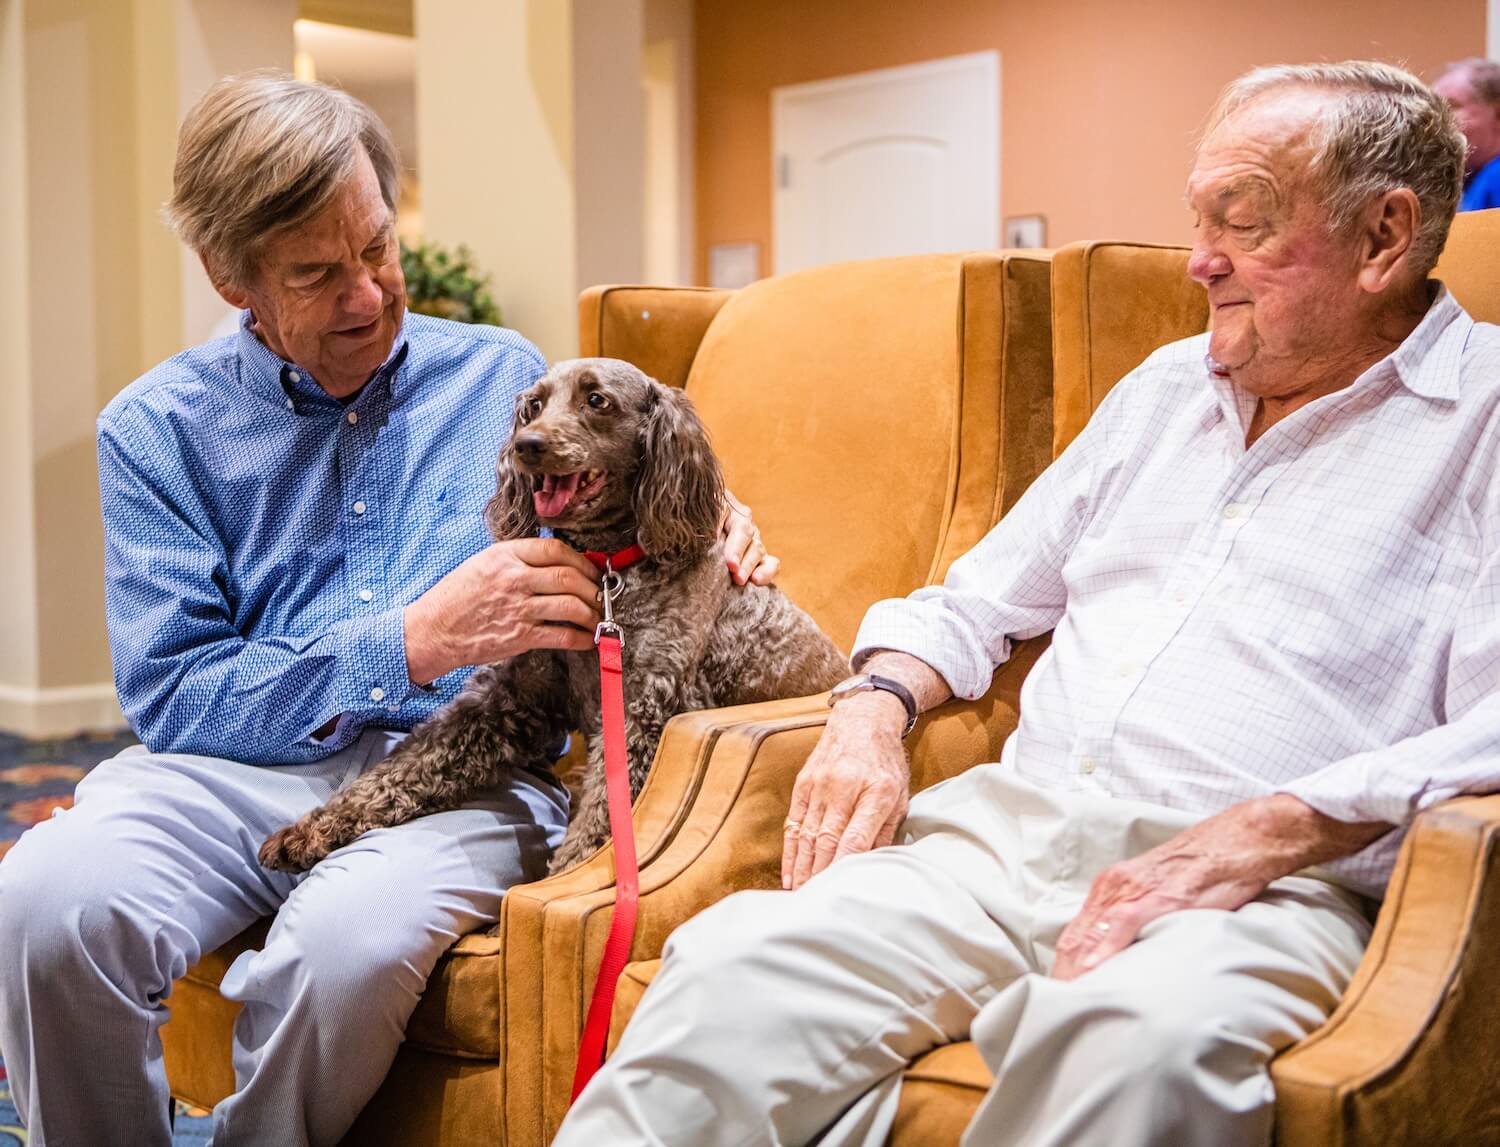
311, 279
597, 401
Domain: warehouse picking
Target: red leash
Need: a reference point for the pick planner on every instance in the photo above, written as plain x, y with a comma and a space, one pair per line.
610, 639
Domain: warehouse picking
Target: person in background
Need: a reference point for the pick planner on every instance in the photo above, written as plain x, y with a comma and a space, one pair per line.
1472, 89
297, 572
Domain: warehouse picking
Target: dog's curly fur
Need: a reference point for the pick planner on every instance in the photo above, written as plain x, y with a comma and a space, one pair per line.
693, 640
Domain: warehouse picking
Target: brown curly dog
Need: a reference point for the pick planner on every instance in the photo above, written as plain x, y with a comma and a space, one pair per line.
606, 457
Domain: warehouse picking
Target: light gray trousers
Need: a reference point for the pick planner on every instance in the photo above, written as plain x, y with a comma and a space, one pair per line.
788, 1018
105, 905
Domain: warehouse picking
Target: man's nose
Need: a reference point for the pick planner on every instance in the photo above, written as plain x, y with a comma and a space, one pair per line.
1207, 263
365, 295
530, 447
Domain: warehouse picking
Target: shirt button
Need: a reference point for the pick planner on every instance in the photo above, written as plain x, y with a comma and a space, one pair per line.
359, 507
1087, 766
353, 417
290, 405
293, 376
377, 694
365, 595
1234, 510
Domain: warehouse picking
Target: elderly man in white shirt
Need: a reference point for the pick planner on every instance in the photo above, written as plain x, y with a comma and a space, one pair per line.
1271, 566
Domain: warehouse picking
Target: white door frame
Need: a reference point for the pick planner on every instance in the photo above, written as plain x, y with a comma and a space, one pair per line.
987, 64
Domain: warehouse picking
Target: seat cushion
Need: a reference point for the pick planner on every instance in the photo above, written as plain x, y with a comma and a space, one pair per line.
457, 1015
940, 1093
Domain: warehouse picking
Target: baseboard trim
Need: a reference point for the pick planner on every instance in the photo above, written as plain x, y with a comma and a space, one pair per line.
59, 712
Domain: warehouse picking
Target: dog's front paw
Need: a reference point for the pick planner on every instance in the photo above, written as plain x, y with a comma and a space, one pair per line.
295, 848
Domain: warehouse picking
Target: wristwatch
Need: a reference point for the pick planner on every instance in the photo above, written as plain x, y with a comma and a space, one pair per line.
864, 682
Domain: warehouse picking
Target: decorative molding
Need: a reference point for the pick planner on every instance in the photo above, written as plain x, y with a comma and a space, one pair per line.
59, 712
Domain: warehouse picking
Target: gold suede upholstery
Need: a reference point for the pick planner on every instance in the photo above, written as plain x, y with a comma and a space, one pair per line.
877, 417
1410, 1056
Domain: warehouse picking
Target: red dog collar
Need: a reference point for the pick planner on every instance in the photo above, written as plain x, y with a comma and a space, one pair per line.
619, 560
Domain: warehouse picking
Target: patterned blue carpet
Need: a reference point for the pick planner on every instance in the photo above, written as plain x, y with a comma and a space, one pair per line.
35, 778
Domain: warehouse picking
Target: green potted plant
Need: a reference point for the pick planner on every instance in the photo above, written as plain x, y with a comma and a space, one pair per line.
446, 284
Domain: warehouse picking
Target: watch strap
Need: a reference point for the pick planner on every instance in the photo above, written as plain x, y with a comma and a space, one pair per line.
865, 682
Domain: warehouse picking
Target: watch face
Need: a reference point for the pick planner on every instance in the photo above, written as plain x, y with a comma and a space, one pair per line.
849, 685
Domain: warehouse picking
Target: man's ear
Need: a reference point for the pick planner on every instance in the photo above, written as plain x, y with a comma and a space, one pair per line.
236, 296
1388, 233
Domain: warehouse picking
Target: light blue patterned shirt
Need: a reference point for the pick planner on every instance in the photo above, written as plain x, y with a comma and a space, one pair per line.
262, 538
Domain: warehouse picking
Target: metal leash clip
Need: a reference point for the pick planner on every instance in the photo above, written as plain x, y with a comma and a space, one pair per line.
610, 588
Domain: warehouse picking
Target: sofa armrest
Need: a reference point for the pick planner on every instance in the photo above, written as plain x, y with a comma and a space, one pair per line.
1410, 1055
656, 328
708, 823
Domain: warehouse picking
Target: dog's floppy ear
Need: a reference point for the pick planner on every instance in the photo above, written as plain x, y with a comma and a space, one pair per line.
511, 513
679, 492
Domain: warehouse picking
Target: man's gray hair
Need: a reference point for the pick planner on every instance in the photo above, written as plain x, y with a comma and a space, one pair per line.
1385, 130
262, 153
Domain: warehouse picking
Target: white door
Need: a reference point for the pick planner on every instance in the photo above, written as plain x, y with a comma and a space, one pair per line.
902, 161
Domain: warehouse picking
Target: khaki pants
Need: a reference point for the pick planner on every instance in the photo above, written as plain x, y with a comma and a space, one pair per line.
788, 1018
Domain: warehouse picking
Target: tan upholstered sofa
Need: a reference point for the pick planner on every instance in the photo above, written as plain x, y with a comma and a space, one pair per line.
877, 417
1411, 1058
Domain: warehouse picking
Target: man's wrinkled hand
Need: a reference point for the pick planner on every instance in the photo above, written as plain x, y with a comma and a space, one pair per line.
744, 552
852, 793
534, 593
1223, 862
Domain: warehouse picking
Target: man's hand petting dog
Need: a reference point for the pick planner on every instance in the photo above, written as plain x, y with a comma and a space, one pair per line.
744, 552
531, 593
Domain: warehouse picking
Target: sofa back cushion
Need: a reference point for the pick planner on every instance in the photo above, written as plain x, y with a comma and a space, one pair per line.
861, 410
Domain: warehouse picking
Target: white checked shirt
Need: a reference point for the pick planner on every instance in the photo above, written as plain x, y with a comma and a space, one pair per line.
1318, 614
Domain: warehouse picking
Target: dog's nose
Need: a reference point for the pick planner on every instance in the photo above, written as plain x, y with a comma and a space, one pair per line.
530, 446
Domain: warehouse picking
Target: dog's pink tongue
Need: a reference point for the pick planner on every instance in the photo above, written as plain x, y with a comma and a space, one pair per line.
556, 492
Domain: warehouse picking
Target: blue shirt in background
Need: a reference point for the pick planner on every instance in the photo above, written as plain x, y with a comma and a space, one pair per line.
262, 538
1482, 189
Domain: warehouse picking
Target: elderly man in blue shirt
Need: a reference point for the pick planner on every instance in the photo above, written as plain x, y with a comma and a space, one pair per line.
297, 572
1472, 89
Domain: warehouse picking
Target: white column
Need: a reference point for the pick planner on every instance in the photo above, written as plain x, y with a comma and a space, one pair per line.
529, 128
1492, 30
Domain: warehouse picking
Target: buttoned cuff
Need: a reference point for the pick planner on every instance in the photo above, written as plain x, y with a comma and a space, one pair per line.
929, 632
373, 674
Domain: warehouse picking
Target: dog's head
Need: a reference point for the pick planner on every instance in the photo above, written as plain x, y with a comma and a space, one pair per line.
598, 449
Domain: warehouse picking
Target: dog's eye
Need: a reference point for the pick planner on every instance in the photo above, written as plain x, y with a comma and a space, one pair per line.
597, 401
532, 408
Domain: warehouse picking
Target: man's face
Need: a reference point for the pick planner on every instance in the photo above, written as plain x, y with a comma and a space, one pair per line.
1478, 120
1281, 289
329, 295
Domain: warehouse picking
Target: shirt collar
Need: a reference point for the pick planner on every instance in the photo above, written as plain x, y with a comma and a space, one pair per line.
289, 385
1424, 362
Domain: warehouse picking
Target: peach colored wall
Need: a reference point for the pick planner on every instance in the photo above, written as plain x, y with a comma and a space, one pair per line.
1101, 99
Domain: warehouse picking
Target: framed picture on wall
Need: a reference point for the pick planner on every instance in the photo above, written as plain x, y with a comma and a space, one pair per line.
1025, 231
